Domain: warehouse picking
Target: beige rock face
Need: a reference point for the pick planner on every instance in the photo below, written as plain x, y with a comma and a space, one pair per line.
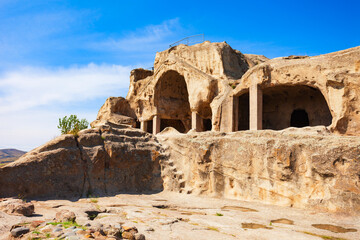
187, 79
17, 207
115, 110
210, 86
105, 160
332, 78
308, 168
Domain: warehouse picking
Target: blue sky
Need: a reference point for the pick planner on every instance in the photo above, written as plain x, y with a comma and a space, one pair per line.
66, 57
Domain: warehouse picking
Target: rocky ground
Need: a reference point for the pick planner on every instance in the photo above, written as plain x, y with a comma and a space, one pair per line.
172, 216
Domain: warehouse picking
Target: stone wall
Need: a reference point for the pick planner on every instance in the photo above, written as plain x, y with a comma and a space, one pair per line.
307, 168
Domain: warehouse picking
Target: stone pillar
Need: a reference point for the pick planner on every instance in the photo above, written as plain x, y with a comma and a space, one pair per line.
235, 114
196, 122
144, 126
256, 107
156, 124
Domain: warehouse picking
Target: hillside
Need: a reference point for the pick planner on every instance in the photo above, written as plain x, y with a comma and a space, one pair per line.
10, 155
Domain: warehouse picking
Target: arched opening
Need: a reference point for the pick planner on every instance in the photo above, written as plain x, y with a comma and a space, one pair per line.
298, 106
137, 123
175, 123
207, 125
299, 118
172, 102
149, 126
243, 112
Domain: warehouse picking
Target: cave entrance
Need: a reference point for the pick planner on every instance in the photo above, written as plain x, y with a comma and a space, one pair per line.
299, 118
296, 106
172, 102
243, 116
207, 125
175, 123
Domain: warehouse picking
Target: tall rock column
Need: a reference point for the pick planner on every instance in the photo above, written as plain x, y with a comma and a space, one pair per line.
235, 114
196, 122
156, 124
144, 126
256, 107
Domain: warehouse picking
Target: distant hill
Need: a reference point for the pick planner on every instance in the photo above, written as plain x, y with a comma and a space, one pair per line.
10, 155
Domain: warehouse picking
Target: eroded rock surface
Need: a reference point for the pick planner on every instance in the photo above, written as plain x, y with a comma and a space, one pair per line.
16, 207
115, 110
105, 160
335, 75
185, 217
305, 168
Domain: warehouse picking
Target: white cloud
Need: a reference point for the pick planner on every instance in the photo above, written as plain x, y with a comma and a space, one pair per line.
148, 38
32, 99
32, 86
25, 130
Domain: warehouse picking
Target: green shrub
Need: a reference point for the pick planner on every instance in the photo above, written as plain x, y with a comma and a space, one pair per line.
72, 125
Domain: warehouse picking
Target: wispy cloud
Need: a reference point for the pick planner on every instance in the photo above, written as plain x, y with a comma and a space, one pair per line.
34, 93
32, 99
28, 129
146, 39
32, 86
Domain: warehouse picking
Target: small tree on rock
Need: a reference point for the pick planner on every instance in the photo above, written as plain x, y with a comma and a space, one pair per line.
72, 125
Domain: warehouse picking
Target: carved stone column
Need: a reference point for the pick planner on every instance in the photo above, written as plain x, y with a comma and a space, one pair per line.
256, 107
196, 122
144, 126
156, 124
235, 114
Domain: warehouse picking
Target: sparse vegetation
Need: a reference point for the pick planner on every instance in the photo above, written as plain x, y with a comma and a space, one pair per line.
323, 236
93, 199
213, 229
219, 214
22, 197
72, 125
67, 224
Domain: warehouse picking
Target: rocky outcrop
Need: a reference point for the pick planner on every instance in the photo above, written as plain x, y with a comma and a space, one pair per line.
253, 59
335, 75
203, 73
17, 207
106, 160
304, 168
115, 110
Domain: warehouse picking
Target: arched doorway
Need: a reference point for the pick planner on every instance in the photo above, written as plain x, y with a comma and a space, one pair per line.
172, 102
297, 106
299, 118
243, 112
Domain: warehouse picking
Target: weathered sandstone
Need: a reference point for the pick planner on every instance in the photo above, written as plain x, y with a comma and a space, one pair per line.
17, 207
334, 77
105, 160
307, 168
215, 94
187, 79
115, 110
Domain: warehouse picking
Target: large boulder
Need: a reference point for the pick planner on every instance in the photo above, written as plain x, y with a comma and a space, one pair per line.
115, 110
17, 207
99, 161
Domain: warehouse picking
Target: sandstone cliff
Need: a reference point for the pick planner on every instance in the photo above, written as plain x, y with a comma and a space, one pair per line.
335, 75
100, 161
307, 168
304, 168
202, 74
